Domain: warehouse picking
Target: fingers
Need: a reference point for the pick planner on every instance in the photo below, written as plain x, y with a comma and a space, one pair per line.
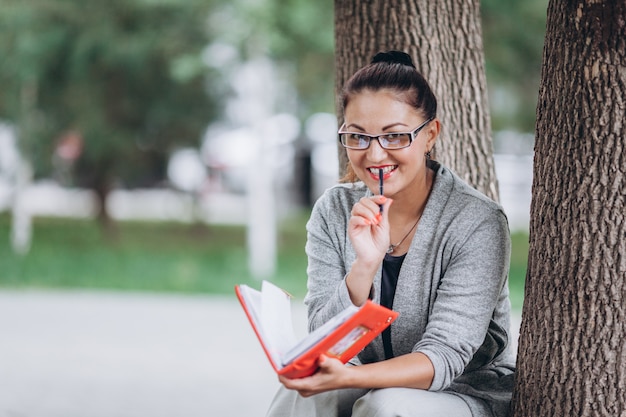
302, 385
323, 380
368, 229
368, 210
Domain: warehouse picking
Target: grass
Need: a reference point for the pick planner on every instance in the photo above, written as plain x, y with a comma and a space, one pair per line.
517, 270
167, 257
144, 256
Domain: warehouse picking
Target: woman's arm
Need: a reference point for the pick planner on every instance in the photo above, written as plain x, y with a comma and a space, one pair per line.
467, 295
339, 276
413, 370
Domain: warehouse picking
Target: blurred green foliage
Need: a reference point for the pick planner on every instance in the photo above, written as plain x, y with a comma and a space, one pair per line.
126, 75
169, 257
130, 75
298, 35
513, 33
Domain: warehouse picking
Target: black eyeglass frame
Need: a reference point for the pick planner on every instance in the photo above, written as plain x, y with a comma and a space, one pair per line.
412, 134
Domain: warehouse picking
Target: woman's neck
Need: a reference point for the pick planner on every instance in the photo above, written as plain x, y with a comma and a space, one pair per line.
411, 203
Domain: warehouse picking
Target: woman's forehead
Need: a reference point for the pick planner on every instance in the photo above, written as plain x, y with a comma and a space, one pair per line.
379, 108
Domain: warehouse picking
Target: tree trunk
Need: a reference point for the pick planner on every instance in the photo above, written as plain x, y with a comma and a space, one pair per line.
572, 354
445, 40
102, 189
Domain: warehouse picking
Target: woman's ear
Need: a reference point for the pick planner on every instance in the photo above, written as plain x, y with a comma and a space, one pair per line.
432, 131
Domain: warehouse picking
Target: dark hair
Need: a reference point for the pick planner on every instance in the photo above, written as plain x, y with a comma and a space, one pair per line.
393, 70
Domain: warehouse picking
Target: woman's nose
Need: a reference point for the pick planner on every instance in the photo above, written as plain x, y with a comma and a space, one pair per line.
375, 152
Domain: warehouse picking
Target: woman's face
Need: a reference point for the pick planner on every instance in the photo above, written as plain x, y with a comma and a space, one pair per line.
376, 112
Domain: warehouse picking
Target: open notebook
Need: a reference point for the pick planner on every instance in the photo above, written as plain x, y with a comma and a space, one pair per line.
342, 337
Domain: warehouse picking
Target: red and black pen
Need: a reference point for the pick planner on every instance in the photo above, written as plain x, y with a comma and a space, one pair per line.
380, 187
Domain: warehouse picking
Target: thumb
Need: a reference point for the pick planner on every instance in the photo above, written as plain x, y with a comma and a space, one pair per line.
324, 362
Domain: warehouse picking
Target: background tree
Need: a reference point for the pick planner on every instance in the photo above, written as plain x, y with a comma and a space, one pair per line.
124, 76
445, 40
571, 350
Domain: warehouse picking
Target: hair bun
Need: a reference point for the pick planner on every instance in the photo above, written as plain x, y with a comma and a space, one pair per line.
393, 57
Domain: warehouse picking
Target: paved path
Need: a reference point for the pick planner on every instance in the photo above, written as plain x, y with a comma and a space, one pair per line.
99, 354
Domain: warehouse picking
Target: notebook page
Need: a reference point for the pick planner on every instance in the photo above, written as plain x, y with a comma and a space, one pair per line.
276, 321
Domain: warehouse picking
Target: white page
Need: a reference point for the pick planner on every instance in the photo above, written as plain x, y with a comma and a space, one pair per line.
276, 321
253, 303
318, 334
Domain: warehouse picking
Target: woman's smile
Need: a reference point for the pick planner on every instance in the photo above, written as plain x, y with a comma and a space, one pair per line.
387, 171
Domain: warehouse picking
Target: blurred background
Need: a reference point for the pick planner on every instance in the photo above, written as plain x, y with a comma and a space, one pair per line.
155, 153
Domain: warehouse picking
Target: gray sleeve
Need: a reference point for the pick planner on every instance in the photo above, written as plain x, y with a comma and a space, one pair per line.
327, 293
467, 294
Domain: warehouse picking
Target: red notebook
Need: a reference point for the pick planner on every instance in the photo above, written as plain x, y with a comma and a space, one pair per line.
342, 337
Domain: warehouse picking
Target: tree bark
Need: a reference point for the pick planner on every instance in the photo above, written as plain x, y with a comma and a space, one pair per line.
445, 40
572, 354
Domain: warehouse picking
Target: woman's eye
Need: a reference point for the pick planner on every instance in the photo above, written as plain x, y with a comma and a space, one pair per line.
355, 137
395, 137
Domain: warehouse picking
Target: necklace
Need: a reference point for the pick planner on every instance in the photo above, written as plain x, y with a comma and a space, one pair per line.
393, 247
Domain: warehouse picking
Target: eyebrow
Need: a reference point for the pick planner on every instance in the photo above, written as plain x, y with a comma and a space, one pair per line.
355, 126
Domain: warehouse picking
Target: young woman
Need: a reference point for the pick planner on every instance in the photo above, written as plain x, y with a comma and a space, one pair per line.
432, 248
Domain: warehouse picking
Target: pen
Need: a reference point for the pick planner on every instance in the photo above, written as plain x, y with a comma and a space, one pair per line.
380, 187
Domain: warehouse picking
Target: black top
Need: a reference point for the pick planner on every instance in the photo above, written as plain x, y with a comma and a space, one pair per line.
391, 271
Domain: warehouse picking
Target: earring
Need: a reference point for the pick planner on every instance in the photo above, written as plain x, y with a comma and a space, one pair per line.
427, 155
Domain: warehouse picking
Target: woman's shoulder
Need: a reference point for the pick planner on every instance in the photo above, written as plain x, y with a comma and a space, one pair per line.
463, 194
461, 204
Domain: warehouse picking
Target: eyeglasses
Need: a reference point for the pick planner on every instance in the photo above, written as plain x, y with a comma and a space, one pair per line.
395, 140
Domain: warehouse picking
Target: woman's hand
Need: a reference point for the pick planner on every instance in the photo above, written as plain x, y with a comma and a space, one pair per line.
369, 229
331, 375
413, 370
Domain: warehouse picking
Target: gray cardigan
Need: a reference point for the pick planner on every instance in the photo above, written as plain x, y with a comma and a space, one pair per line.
452, 292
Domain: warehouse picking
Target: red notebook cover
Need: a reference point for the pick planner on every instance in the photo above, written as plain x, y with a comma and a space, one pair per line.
343, 343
